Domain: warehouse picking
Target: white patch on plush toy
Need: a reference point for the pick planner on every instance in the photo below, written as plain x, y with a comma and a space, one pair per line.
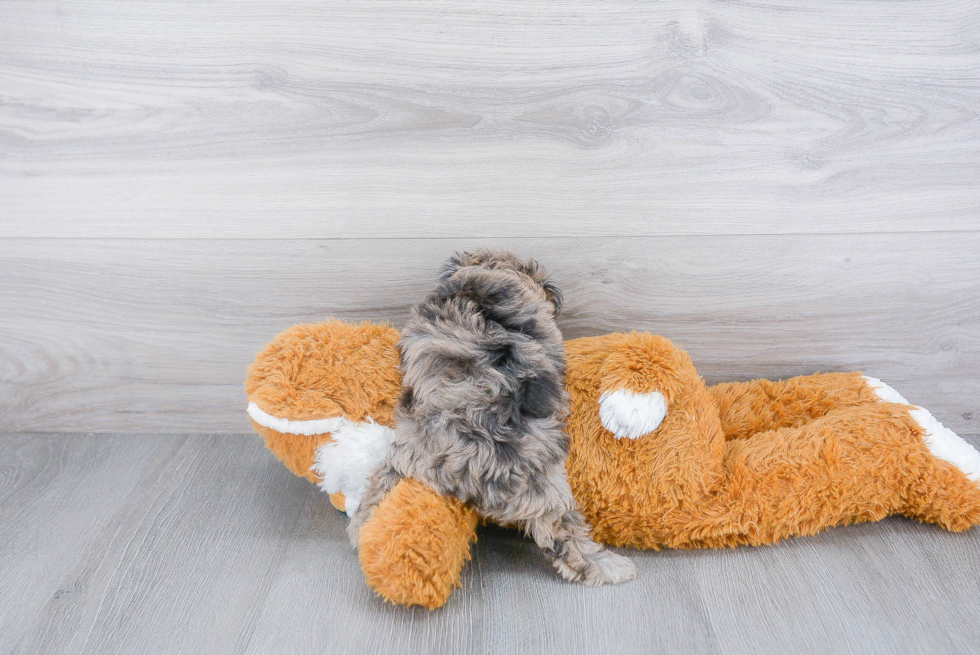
885, 392
285, 426
344, 464
940, 440
947, 445
631, 415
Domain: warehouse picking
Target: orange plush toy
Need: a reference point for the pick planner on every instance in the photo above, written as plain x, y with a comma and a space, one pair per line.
657, 459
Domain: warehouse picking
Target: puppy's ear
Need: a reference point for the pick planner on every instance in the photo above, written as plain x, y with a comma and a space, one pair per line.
456, 262
540, 397
553, 294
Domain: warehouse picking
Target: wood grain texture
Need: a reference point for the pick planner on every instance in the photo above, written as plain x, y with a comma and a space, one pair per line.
125, 335
57, 494
487, 120
181, 566
206, 544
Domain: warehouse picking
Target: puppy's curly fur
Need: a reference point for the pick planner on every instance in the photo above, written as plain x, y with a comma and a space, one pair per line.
481, 414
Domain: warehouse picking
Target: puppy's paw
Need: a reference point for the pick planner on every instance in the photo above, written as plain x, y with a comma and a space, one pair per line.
606, 567
631, 415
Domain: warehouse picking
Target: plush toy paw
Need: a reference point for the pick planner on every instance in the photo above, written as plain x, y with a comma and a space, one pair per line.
631, 415
942, 442
947, 445
415, 544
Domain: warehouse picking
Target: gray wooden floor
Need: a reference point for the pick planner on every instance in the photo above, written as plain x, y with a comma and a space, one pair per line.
206, 544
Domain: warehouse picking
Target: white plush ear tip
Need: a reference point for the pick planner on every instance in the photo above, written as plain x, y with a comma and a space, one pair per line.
631, 415
947, 445
883, 391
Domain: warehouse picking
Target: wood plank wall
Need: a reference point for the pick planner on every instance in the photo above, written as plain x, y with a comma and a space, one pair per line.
781, 188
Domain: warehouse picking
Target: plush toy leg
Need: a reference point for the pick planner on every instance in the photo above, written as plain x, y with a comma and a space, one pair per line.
415, 544
338, 501
851, 465
747, 408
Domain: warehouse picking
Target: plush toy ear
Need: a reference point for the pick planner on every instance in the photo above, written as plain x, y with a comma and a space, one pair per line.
643, 363
415, 544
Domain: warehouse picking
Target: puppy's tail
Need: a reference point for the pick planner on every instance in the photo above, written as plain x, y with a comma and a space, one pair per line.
415, 544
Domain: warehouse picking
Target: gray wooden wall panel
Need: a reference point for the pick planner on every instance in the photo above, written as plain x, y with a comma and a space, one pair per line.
781, 187
141, 335
492, 119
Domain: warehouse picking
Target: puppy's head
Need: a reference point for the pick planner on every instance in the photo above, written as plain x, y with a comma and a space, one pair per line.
530, 272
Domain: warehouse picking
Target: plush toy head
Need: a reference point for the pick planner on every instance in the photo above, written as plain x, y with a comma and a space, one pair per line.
327, 383
322, 396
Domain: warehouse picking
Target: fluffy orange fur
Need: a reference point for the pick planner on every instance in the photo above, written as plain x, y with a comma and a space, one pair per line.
322, 370
415, 545
746, 463
737, 463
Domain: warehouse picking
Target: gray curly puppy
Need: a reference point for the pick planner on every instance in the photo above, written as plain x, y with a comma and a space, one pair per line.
480, 417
